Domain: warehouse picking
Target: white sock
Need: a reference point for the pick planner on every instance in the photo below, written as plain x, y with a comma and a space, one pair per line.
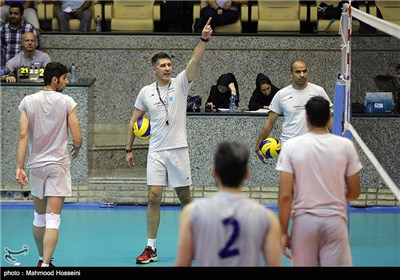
40, 258
152, 243
45, 265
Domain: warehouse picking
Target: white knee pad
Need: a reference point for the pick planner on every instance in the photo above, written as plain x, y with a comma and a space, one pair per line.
53, 221
39, 220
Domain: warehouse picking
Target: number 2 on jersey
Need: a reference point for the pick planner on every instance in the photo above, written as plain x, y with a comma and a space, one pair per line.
228, 251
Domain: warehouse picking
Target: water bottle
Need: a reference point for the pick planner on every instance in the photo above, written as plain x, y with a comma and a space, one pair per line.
73, 73
370, 107
36, 73
98, 24
31, 73
232, 104
10, 194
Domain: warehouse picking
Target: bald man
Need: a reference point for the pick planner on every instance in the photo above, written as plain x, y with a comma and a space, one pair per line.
290, 102
27, 57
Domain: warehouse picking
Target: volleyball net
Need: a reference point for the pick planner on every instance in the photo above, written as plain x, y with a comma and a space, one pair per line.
342, 101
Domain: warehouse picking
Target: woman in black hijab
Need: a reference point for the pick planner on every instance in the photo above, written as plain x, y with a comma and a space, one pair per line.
221, 92
263, 93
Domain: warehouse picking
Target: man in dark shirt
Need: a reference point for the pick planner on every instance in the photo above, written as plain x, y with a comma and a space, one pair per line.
11, 33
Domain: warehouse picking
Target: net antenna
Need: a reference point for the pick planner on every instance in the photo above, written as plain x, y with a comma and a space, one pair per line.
342, 101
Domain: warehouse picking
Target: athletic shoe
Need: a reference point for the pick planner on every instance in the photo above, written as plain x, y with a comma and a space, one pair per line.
148, 255
40, 263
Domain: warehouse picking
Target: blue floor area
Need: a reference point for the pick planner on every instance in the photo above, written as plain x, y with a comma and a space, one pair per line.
92, 236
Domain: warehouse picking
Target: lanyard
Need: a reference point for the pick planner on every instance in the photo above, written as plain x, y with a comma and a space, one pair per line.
163, 103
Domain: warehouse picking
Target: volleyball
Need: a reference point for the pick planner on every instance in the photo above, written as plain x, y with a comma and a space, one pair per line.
270, 147
141, 128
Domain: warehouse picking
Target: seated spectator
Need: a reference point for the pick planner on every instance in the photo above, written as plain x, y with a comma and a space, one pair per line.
27, 57
11, 33
221, 92
222, 13
73, 9
30, 13
262, 94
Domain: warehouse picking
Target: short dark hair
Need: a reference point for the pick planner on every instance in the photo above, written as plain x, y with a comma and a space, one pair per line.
53, 69
158, 56
230, 163
398, 67
318, 111
17, 5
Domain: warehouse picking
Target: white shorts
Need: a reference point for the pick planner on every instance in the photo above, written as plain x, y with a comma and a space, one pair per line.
50, 180
169, 168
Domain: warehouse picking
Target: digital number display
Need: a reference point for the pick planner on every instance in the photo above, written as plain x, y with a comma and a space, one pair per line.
24, 72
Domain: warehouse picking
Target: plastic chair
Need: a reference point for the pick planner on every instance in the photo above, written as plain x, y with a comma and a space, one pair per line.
139, 16
278, 15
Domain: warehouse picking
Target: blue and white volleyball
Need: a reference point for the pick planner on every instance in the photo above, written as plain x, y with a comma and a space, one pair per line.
141, 128
270, 147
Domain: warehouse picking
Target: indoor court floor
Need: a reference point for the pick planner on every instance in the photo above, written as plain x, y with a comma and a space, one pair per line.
91, 236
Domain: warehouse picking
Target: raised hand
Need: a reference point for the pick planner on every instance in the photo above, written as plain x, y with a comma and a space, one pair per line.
207, 30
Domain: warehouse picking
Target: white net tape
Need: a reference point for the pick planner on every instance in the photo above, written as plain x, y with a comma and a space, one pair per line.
390, 29
384, 26
386, 178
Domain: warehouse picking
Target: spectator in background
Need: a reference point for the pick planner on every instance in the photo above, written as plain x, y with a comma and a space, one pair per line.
30, 13
262, 94
221, 92
398, 72
222, 13
73, 9
11, 33
28, 56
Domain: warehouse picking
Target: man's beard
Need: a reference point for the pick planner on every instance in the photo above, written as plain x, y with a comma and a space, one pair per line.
15, 22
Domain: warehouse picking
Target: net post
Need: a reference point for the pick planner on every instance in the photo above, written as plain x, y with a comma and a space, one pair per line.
345, 69
339, 107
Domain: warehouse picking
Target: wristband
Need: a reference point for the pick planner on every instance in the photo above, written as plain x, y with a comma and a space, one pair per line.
204, 40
